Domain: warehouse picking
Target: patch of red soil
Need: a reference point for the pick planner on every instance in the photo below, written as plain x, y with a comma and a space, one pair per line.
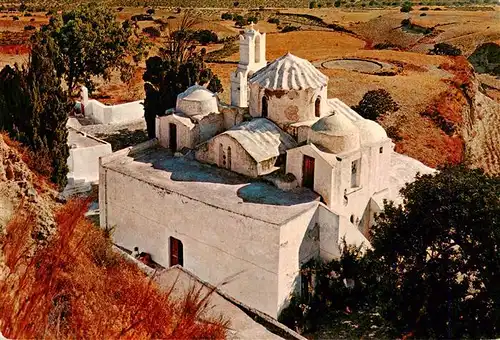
432, 146
14, 49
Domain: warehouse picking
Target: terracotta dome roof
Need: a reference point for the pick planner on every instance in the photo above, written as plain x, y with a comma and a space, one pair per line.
289, 73
370, 131
335, 133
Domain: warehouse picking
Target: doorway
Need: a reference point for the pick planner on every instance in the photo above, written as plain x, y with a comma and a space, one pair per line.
172, 133
264, 107
176, 252
308, 172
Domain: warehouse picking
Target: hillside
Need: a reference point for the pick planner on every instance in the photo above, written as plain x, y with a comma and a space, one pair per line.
60, 277
433, 123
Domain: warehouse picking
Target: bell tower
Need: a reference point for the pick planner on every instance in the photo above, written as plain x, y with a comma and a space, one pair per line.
252, 59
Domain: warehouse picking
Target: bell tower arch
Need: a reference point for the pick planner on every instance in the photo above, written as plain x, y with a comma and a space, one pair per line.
252, 59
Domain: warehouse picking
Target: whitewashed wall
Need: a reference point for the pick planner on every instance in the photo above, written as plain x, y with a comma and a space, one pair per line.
323, 171
83, 162
299, 242
241, 162
113, 114
217, 243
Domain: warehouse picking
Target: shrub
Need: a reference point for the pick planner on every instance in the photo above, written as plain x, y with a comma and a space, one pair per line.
15, 18
423, 14
240, 21
205, 37
28, 14
142, 17
119, 9
386, 46
236, 4
152, 31
29, 28
226, 16
273, 21
424, 8
406, 7
253, 19
376, 103
337, 3
150, 11
313, 4
445, 49
290, 28
32, 20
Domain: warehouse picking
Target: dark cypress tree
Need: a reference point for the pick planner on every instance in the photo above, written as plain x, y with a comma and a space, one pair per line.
34, 108
51, 105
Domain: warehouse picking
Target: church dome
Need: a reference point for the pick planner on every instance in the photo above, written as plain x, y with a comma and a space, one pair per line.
289, 73
335, 133
196, 100
370, 132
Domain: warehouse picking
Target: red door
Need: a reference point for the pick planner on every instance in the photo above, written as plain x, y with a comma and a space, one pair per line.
176, 252
308, 172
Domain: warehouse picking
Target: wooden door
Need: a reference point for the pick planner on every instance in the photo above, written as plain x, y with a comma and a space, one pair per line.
176, 252
172, 132
308, 172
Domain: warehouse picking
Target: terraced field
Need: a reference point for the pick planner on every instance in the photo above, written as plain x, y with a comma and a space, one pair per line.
418, 82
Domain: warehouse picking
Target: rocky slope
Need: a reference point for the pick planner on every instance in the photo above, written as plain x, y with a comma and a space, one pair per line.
21, 187
481, 132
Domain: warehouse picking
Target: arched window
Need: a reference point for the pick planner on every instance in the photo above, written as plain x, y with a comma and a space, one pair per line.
264, 106
257, 49
229, 157
221, 156
317, 107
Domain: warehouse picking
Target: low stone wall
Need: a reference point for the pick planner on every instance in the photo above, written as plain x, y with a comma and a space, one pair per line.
113, 114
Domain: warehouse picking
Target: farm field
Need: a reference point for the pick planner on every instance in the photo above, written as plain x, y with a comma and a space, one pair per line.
418, 82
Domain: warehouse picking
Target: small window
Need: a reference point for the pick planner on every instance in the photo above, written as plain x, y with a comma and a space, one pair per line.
222, 156
229, 157
317, 107
355, 173
176, 252
381, 150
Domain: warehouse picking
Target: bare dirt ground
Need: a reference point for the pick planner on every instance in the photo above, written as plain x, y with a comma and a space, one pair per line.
421, 81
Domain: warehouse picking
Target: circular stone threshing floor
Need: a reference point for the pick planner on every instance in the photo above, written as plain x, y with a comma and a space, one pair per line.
361, 65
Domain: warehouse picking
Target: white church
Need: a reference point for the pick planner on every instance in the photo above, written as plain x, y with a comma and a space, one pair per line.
245, 194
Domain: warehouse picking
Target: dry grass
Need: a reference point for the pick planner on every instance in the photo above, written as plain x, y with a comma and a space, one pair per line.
311, 45
77, 287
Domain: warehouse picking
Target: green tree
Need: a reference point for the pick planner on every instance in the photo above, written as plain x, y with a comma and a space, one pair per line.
91, 43
177, 67
34, 108
436, 259
376, 103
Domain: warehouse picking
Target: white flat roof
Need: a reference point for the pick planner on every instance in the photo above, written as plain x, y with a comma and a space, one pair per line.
214, 186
